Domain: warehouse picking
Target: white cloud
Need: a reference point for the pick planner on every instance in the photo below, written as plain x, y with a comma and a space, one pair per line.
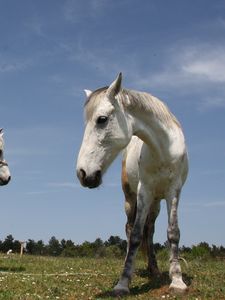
215, 204
207, 64
97, 59
74, 185
221, 22
196, 68
35, 26
75, 11
25, 142
216, 172
190, 65
63, 185
36, 193
13, 66
112, 184
204, 204
212, 102
182, 67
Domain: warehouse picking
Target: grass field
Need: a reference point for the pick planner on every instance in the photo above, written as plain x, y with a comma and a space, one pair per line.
32, 277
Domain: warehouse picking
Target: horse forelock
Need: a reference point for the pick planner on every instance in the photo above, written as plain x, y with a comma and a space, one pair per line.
93, 101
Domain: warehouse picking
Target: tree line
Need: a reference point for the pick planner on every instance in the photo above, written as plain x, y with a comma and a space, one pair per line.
113, 247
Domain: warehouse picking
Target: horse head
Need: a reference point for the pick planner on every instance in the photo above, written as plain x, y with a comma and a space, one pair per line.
107, 132
4, 169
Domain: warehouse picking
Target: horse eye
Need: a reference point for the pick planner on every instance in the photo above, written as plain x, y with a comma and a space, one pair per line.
102, 120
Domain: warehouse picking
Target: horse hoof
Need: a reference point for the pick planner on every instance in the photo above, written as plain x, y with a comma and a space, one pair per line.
119, 291
178, 287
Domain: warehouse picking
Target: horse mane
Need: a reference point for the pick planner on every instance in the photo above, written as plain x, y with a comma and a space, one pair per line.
146, 102
133, 100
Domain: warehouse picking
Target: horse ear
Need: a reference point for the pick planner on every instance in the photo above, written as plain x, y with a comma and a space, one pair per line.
1, 132
115, 87
88, 93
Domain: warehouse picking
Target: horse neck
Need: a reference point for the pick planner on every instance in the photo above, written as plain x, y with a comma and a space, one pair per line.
156, 134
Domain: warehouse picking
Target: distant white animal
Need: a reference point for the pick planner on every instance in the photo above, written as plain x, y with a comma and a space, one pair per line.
155, 167
9, 252
4, 169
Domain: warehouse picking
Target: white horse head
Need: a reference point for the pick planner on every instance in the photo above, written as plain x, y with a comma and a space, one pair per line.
107, 132
4, 169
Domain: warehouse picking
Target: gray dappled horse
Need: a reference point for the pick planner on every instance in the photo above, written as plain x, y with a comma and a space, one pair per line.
155, 167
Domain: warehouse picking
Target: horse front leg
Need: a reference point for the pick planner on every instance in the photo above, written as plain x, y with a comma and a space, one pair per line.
173, 233
148, 238
143, 205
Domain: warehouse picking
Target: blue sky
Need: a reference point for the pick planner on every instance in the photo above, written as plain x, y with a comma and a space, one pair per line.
50, 51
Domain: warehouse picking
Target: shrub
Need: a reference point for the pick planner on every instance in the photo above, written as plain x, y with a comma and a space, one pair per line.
200, 252
113, 251
163, 254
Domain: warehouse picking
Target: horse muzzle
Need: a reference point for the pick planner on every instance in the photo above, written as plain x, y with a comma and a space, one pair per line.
5, 180
91, 181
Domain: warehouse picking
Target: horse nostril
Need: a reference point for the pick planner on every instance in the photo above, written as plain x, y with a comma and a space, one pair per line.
98, 174
9, 178
82, 174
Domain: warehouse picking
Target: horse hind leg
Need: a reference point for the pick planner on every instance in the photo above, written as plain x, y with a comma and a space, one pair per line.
173, 233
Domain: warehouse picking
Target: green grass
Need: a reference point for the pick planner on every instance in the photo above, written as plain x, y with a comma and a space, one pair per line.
33, 277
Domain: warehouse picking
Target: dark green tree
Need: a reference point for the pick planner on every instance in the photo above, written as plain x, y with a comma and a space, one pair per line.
68, 248
54, 247
31, 247
40, 248
16, 246
8, 243
114, 240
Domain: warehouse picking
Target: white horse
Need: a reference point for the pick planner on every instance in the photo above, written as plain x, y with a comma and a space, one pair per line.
4, 169
155, 166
